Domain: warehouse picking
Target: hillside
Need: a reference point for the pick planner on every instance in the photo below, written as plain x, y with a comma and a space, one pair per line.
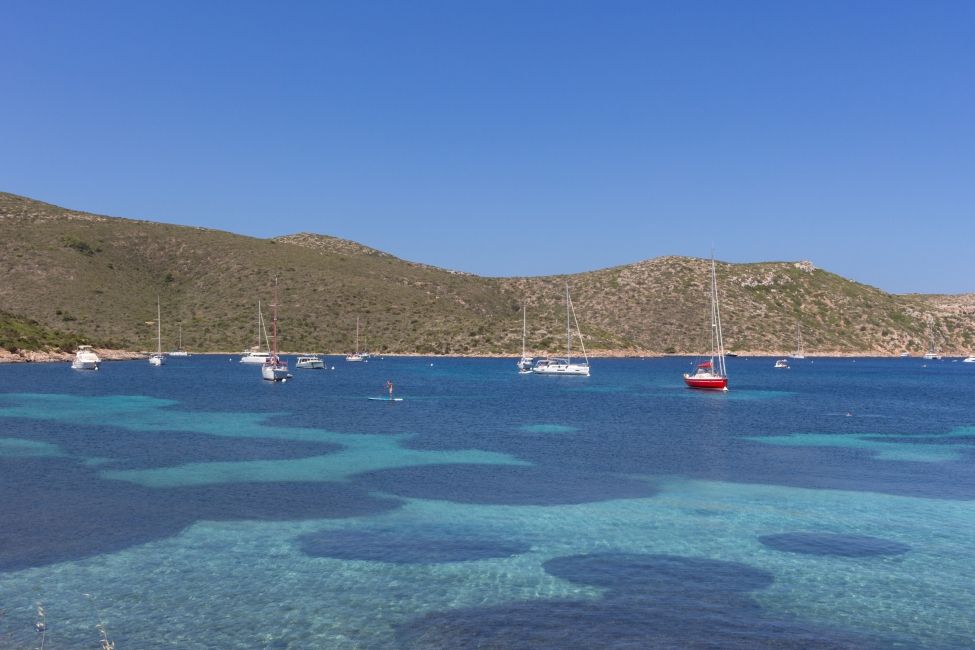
98, 277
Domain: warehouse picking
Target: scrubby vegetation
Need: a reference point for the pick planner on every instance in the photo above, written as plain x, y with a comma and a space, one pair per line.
98, 277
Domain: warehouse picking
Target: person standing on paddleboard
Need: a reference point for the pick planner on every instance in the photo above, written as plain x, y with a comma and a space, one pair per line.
389, 385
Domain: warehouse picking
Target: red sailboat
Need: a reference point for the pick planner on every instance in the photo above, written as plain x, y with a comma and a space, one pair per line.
712, 374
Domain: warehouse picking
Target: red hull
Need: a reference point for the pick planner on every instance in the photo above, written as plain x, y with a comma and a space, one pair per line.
718, 383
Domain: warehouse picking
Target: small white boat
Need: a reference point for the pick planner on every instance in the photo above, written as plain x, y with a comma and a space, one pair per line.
782, 363
560, 366
275, 370
799, 352
970, 359
932, 352
179, 351
904, 355
356, 356
310, 362
526, 362
85, 359
255, 354
158, 358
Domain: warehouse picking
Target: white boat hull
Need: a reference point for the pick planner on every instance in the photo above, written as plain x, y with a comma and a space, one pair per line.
85, 359
316, 364
354, 357
562, 369
179, 353
275, 373
254, 358
157, 360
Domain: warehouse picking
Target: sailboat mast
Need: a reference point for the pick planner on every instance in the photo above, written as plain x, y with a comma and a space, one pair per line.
582, 341
524, 327
357, 335
158, 327
716, 315
274, 326
568, 329
258, 324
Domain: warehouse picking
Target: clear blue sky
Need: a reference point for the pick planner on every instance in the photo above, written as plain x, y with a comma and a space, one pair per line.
514, 137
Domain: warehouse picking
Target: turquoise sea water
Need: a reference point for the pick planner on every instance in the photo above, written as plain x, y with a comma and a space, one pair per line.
195, 506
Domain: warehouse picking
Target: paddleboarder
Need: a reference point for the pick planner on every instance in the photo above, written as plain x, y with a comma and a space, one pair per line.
389, 386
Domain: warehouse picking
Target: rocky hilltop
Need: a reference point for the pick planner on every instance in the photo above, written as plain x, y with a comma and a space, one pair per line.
97, 278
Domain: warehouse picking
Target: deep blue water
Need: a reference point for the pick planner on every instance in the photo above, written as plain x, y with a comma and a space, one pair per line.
829, 505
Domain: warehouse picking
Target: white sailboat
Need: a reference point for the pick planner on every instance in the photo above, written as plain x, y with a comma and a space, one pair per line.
158, 358
932, 352
558, 365
85, 359
799, 353
179, 351
255, 354
274, 369
525, 363
355, 356
712, 374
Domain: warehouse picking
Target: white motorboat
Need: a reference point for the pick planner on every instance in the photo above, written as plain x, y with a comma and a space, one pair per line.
970, 359
560, 366
158, 358
274, 369
85, 359
310, 362
782, 363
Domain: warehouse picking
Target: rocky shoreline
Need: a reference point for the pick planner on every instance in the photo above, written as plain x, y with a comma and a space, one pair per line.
53, 356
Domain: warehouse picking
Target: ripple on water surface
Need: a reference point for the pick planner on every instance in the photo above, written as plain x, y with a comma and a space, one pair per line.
405, 546
833, 544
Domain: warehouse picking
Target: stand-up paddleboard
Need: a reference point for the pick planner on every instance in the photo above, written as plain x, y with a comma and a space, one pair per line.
386, 399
